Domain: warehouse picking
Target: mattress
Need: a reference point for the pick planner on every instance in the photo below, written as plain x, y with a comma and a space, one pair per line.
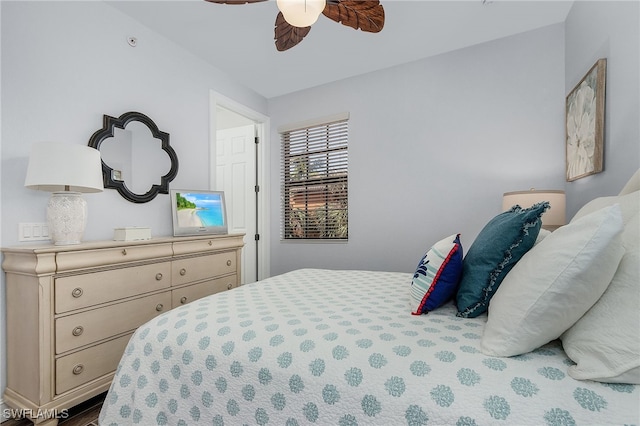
332, 347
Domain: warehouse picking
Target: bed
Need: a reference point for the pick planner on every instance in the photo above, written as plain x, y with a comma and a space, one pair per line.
329, 347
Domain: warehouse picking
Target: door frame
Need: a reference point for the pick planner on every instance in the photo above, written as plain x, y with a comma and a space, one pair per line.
262, 124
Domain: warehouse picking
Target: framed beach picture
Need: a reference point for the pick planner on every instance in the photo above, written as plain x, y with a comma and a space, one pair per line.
585, 124
198, 212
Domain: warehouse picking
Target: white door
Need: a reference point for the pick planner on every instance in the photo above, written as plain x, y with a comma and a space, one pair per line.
236, 176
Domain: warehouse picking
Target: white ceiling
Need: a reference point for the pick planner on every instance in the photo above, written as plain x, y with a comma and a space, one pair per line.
238, 39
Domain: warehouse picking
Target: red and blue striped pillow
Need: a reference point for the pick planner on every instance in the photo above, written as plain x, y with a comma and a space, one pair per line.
437, 276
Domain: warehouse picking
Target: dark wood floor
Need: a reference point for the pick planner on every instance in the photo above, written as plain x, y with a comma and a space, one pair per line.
85, 414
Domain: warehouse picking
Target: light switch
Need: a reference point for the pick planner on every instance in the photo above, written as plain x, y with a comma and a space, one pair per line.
33, 232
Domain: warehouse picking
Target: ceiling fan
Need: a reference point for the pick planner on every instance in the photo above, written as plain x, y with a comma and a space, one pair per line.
294, 20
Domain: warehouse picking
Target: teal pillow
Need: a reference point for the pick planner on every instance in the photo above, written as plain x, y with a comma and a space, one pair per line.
498, 247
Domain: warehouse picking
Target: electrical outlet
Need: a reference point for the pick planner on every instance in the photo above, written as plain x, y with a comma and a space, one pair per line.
33, 232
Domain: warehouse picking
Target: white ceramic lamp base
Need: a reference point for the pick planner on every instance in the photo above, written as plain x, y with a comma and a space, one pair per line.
66, 217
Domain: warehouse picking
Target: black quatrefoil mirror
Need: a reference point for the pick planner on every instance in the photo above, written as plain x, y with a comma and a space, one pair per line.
135, 156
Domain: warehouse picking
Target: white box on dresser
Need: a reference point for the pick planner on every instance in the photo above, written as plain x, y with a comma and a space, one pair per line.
71, 309
132, 233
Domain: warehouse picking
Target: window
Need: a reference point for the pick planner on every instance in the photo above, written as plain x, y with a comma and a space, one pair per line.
315, 180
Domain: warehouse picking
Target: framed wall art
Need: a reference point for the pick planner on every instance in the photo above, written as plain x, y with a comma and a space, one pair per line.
585, 124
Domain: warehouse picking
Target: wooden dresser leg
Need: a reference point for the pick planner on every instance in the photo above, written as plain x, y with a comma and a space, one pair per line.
46, 422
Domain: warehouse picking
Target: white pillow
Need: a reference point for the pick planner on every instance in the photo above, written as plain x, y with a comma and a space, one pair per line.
544, 233
629, 205
554, 284
604, 343
632, 185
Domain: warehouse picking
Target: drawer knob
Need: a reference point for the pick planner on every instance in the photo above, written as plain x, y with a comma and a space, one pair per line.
229, 262
76, 292
183, 299
210, 242
78, 369
159, 307
229, 286
158, 276
78, 330
183, 272
124, 252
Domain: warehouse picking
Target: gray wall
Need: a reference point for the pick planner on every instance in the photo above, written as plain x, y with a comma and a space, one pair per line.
433, 145
64, 65
607, 30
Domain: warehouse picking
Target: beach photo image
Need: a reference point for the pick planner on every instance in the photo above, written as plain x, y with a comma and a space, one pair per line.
197, 209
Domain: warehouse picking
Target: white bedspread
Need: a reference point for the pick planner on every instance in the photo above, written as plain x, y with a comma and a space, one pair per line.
342, 348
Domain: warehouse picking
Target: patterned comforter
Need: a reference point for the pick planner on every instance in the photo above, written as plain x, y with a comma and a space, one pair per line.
342, 348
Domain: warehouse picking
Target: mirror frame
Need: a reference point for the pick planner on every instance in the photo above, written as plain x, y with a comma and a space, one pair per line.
108, 125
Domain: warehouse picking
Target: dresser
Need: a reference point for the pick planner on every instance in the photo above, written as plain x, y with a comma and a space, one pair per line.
72, 309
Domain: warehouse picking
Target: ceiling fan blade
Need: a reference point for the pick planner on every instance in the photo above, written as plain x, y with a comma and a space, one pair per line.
365, 15
234, 1
286, 35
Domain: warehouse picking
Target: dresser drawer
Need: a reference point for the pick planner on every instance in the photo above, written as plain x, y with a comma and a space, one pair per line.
70, 260
193, 269
199, 245
87, 327
83, 366
79, 291
193, 292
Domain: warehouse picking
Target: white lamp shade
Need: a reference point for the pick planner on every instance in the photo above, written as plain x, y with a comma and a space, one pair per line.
66, 170
59, 167
552, 218
301, 13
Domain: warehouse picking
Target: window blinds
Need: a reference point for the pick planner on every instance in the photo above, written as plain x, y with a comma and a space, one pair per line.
315, 181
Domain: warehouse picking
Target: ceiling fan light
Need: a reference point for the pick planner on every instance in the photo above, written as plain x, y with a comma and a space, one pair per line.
301, 13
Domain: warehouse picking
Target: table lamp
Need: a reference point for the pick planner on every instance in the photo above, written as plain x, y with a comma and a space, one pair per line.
553, 218
67, 171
